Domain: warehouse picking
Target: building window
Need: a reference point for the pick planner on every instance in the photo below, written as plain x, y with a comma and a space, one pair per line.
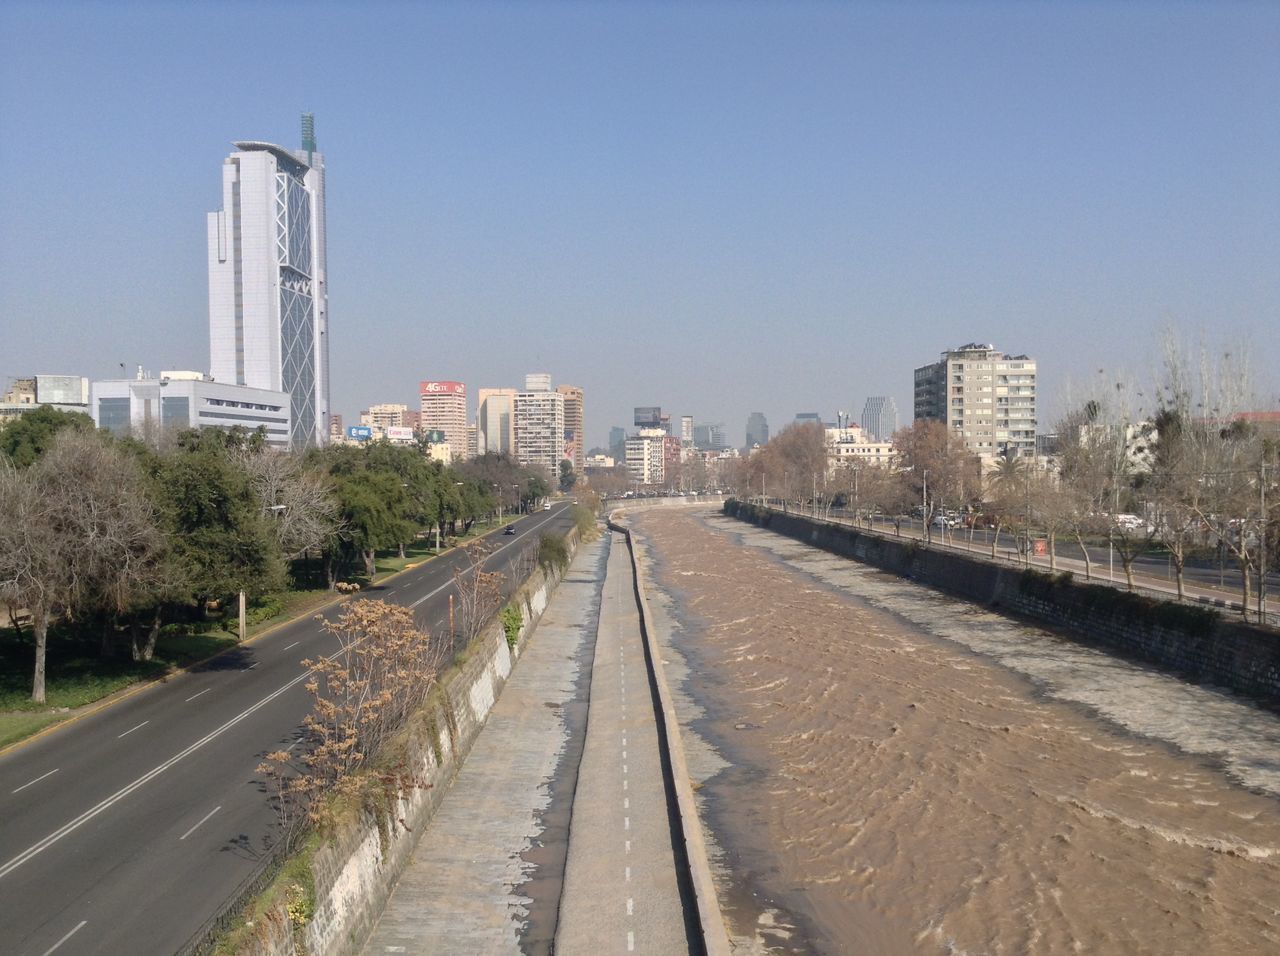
113, 415
175, 412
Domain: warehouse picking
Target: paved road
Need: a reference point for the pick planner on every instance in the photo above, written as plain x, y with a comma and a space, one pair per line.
125, 831
621, 892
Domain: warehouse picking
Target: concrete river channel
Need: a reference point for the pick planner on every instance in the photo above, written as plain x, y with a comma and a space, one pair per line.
884, 769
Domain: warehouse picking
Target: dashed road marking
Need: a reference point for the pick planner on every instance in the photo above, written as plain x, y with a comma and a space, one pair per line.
132, 729
198, 825
631, 904
626, 823
194, 696
631, 941
294, 644
79, 927
36, 780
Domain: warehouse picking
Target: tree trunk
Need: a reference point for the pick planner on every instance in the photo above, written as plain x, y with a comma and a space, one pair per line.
330, 571
1127, 563
402, 549
1088, 564
1179, 560
40, 625
370, 563
13, 620
1053, 551
148, 648
106, 649
995, 540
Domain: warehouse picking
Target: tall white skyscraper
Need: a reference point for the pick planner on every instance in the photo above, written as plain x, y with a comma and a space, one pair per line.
268, 288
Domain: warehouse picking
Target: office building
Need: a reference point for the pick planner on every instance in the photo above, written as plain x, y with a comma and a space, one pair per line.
149, 407
539, 425
880, 417
335, 427
444, 408
651, 416
710, 437
984, 396
67, 393
496, 421
808, 418
757, 430
575, 441
617, 441
686, 430
268, 286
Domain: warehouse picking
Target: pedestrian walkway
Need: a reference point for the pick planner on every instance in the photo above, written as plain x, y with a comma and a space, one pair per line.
465, 890
621, 893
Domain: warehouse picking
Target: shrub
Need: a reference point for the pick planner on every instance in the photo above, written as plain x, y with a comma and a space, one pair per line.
511, 623
553, 553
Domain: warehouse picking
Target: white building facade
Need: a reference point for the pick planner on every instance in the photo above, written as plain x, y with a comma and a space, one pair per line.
539, 425
984, 397
496, 421
444, 408
176, 401
268, 286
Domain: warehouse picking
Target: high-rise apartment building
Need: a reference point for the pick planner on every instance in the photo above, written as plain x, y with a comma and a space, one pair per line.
686, 430
575, 442
268, 284
757, 430
539, 425
384, 416
646, 456
880, 417
496, 421
983, 396
444, 408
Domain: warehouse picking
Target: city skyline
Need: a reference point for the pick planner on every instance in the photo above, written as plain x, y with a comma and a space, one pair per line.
793, 238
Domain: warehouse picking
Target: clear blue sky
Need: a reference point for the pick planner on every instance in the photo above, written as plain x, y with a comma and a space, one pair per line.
717, 208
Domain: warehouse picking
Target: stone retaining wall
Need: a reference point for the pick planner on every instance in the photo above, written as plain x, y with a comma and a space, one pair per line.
1193, 642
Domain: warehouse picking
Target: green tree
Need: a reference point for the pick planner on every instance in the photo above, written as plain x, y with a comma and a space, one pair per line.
567, 477
25, 439
222, 539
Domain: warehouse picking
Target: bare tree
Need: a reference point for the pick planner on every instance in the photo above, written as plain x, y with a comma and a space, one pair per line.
479, 592
300, 499
76, 532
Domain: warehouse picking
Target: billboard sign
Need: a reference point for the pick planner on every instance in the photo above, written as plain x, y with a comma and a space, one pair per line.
648, 416
359, 432
62, 390
435, 437
399, 433
442, 388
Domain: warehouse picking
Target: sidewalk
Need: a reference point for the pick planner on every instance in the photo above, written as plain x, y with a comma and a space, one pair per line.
471, 887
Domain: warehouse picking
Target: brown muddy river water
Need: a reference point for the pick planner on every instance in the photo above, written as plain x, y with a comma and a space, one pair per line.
884, 769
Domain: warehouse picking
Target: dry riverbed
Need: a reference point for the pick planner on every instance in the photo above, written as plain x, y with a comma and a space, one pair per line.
888, 770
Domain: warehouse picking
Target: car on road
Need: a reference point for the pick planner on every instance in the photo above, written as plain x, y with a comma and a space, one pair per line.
546, 506
509, 529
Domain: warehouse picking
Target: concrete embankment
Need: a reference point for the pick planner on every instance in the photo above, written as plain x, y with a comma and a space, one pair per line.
354, 870
1190, 641
714, 937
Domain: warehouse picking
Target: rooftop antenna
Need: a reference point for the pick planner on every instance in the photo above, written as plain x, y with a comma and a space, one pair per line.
309, 135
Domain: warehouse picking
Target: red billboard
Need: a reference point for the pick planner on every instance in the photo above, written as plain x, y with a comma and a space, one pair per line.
442, 388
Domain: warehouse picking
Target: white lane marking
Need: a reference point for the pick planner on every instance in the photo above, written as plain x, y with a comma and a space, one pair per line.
630, 906
624, 768
36, 780
624, 755
132, 729
202, 820
79, 927
628, 874
626, 823
626, 803
631, 941
123, 792
624, 785
194, 696
294, 644
253, 665
628, 846
394, 949
496, 551
624, 741
289, 749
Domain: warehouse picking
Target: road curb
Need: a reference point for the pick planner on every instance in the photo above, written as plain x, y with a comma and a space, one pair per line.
715, 937
132, 690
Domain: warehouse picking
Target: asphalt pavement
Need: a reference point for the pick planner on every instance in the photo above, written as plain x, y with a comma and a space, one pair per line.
127, 830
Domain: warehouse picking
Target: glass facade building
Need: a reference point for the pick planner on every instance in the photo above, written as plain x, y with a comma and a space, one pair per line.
268, 293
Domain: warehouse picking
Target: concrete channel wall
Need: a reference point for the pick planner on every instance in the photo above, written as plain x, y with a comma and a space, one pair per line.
357, 867
715, 938
1193, 642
